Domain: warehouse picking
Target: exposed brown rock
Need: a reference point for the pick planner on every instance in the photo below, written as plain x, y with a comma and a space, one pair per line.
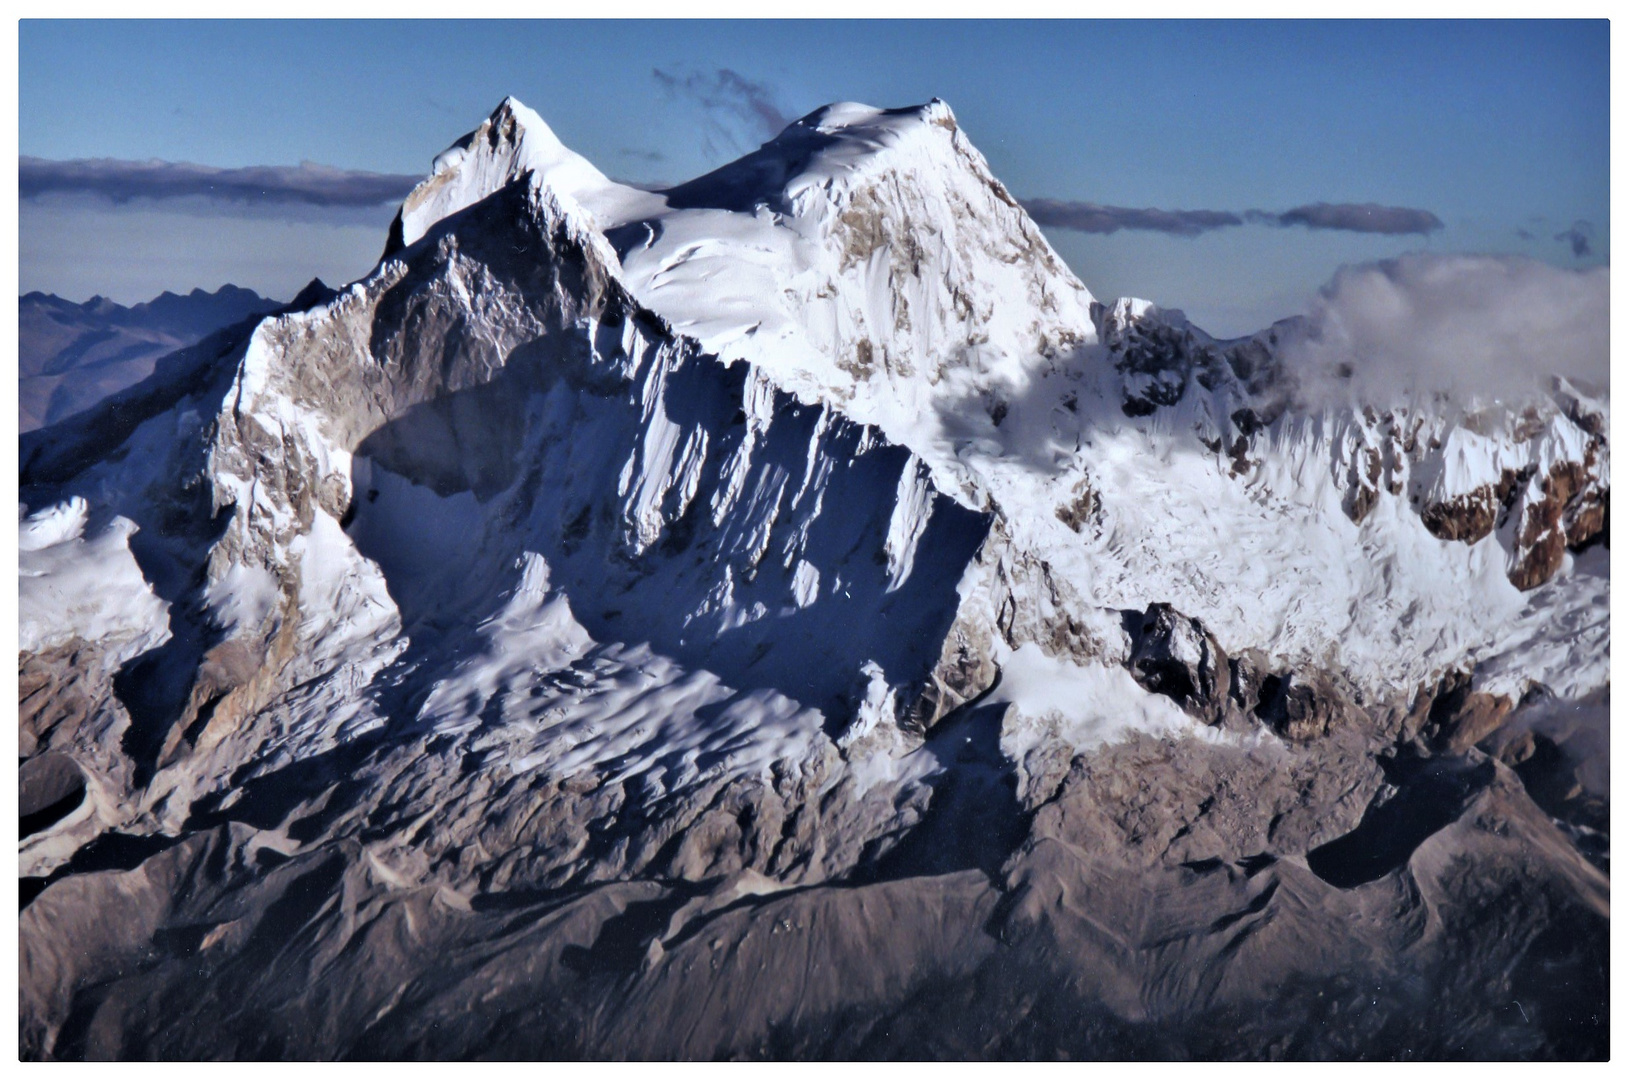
1302, 707
1569, 513
1472, 516
59, 690
1451, 716
1362, 488
1081, 507
1567, 510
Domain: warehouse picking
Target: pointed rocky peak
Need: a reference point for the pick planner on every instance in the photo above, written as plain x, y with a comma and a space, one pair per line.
315, 293
513, 143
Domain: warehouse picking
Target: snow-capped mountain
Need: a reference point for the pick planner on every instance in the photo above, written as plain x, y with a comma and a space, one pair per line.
770, 615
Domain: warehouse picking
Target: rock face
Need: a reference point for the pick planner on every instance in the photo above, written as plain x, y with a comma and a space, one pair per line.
1175, 656
779, 615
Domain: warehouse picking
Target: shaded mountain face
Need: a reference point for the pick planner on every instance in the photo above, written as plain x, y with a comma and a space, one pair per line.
789, 616
72, 355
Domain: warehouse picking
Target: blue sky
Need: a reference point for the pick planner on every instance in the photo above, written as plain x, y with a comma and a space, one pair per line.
1500, 130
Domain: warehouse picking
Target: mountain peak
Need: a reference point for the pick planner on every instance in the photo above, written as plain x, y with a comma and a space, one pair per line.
831, 148
846, 116
513, 142
315, 292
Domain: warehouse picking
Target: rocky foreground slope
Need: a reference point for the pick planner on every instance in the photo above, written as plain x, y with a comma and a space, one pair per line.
787, 616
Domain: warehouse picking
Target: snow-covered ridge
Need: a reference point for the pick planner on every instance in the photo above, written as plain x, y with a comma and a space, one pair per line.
837, 149
513, 143
800, 456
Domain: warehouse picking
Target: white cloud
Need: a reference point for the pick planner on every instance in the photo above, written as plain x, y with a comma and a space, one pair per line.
1479, 328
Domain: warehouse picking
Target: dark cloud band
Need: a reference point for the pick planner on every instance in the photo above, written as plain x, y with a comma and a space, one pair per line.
1094, 218
1091, 217
322, 186
1360, 217
122, 181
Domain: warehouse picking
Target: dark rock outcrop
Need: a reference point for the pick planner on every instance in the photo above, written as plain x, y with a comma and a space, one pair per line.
1173, 655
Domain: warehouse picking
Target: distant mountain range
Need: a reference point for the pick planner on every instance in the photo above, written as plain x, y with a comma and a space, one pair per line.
71, 356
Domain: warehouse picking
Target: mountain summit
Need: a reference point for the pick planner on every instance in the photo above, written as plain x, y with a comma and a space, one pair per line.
786, 615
